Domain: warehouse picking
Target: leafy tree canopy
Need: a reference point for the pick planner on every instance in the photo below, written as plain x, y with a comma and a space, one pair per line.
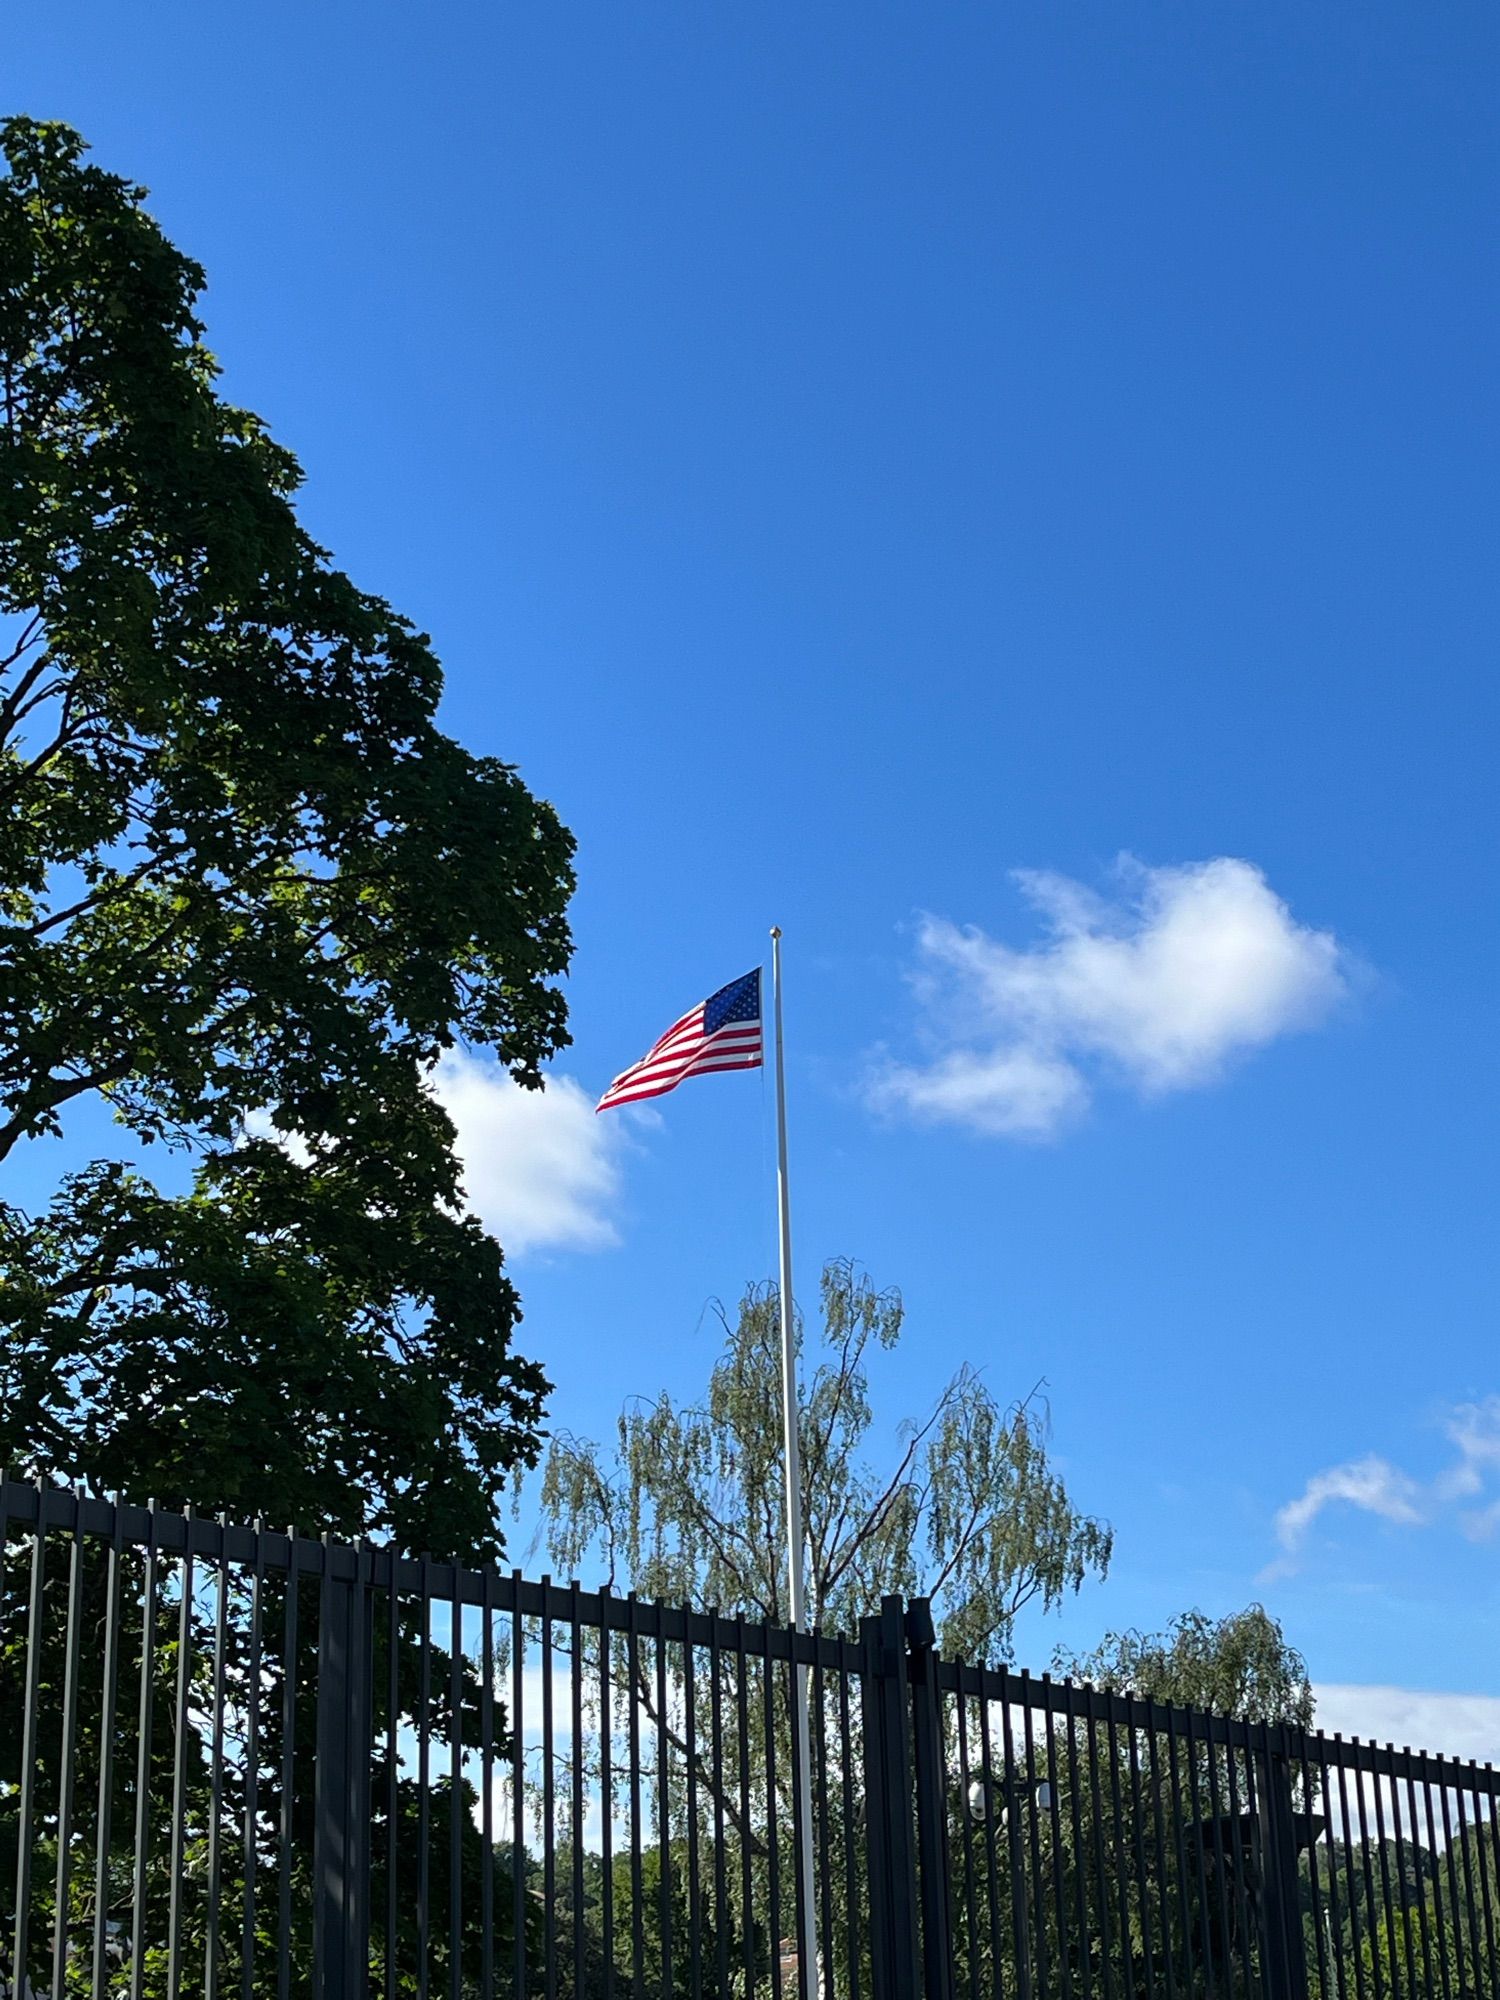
689, 1505
243, 876
1240, 1665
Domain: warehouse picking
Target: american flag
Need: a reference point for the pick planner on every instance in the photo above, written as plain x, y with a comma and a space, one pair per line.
721, 1032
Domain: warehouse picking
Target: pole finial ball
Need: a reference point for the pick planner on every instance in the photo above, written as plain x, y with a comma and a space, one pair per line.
776, 930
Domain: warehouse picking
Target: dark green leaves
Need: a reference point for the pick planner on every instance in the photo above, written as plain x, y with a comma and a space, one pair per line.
242, 871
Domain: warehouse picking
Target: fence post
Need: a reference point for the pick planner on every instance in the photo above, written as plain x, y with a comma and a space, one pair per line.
931, 1773
888, 1805
341, 1831
1286, 1971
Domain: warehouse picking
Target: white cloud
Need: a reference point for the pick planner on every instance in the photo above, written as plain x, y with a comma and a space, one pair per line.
1187, 968
539, 1168
1375, 1486
1008, 1093
1475, 1429
1452, 1725
1458, 1726
1372, 1484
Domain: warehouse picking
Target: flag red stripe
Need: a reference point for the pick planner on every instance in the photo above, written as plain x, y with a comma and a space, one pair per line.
686, 1060
688, 1049
630, 1096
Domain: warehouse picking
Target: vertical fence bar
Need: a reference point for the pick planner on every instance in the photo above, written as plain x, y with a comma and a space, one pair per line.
1032, 1843
1084, 1945
1336, 1927
181, 1740
487, 1780
67, 1768
1351, 1881
1450, 1868
1403, 1899
1485, 1841
966, 1840
1184, 1871
663, 1811
1055, 1824
1221, 1866
690, 1761
747, 1862
1380, 1979
606, 1797
899, 1888
341, 1838
1242, 1826
144, 1721
549, 1805
773, 1831
216, 1771
1468, 1876
114, 1616
1106, 1941
575, 1640
994, 1779
1438, 1858
1138, 1848
1384, 1858
1428, 1985
990, 1835
518, 1792
392, 1769
1163, 1856
1205, 1925
30, 1760
853, 1942
251, 1842
1015, 1843
1311, 1795
424, 1778
289, 1647
1284, 1869
722, 1918
455, 1790
633, 1675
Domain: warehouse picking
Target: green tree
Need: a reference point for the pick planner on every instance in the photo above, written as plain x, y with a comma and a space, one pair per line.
689, 1506
1149, 1830
249, 894
1240, 1665
244, 877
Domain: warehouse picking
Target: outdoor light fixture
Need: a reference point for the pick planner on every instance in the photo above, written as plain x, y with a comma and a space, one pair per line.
979, 1796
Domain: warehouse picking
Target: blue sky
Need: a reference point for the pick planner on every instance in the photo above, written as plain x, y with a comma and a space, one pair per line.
847, 456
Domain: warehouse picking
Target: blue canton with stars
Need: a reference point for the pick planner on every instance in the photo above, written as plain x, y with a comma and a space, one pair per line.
739, 1001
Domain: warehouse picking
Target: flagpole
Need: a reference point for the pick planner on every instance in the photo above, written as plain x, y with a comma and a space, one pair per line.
807, 1969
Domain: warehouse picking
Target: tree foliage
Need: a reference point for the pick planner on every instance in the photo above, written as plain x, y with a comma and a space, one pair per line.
1241, 1665
244, 876
690, 1505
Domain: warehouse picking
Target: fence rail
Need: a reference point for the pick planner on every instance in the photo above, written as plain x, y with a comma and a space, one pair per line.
235, 1760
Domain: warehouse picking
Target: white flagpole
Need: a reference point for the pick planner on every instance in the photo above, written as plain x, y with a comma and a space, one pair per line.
807, 1960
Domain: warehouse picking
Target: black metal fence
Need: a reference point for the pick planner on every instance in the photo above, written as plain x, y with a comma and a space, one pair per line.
238, 1761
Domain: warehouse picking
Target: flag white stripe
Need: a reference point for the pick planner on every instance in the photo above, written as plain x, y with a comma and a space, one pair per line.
689, 1048
681, 1065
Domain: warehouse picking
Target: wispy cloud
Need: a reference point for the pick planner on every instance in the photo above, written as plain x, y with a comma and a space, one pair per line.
1372, 1484
1162, 987
1459, 1494
539, 1168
